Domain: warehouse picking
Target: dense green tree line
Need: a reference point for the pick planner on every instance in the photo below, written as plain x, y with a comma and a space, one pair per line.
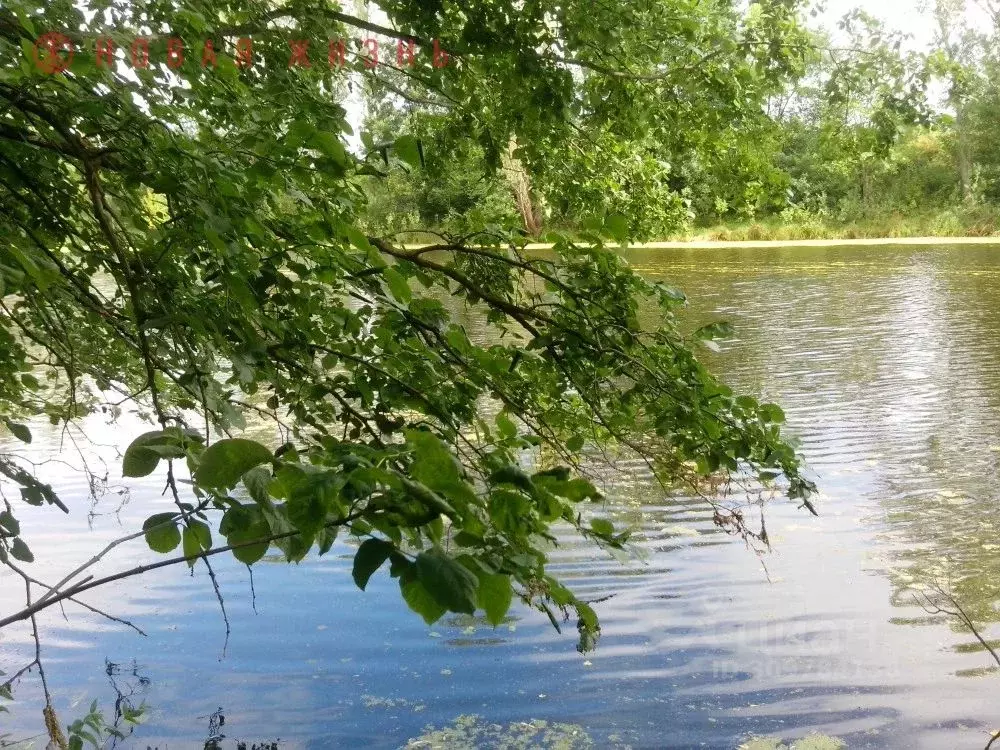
859, 128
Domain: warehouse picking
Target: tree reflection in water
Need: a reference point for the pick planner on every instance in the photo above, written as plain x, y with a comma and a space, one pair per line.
216, 722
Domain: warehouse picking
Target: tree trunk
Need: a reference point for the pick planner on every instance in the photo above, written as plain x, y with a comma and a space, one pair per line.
520, 184
866, 186
962, 155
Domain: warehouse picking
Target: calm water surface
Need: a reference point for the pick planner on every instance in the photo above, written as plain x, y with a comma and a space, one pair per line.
887, 361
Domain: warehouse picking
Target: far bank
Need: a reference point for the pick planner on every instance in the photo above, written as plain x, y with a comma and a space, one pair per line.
721, 244
868, 242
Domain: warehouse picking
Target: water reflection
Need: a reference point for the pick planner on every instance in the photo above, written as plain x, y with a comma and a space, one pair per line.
888, 363
217, 736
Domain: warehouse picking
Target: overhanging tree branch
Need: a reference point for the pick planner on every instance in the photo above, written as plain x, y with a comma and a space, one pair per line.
55, 596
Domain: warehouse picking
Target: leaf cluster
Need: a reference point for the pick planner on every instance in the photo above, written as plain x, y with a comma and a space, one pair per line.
190, 241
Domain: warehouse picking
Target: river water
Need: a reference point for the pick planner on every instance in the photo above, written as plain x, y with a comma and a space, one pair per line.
887, 362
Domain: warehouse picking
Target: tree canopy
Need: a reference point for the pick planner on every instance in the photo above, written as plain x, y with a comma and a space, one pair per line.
858, 131
190, 236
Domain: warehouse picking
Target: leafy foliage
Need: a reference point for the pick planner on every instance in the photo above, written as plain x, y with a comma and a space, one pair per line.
860, 138
621, 97
93, 730
199, 249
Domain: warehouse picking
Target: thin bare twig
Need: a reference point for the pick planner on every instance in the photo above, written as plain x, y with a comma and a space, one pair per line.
172, 486
933, 607
56, 736
55, 590
90, 583
222, 605
86, 606
959, 613
253, 591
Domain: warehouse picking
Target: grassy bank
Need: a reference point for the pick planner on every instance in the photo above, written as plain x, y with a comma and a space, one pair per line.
953, 221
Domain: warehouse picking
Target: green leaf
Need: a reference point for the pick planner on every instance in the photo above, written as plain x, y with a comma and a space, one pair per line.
587, 625
138, 460
419, 599
19, 550
772, 413
448, 581
162, 534
223, 463
602, 527
407, 148
513, 475
139, 463
557, 473
26, 23
369, 558
436, 467
325, 538
358, 239
145, 452
575, 443
331, 146
9, 524
33, 495
243, 524
299, 131
465, 539
400, 566
580, 489
258, 481
506, 426
397, 285
197, 537
616, 227
253, 550
307, 511
713, 331
19, 431
294, 547
238, 518
495, 595
312, 496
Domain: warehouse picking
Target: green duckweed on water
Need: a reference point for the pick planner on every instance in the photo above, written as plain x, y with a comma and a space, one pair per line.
472, 732
812, 742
